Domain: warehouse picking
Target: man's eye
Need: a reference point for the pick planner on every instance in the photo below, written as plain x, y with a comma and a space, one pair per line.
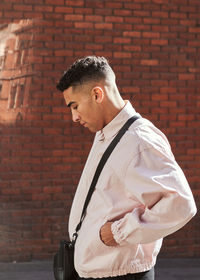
75, 107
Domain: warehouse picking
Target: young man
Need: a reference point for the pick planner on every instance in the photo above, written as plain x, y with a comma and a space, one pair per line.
142, 194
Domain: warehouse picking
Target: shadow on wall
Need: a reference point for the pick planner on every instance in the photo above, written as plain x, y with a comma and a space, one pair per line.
40, 159
16, 73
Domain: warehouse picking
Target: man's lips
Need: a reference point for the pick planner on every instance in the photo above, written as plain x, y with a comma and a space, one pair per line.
83, 124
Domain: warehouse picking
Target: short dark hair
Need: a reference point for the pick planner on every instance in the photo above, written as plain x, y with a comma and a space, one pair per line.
84, 70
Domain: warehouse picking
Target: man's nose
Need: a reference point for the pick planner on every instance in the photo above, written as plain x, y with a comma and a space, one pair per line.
75, 116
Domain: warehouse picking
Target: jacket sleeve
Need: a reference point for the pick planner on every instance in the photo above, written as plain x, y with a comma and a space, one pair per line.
166, 203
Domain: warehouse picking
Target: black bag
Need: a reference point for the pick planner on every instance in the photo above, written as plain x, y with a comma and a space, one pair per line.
63, 263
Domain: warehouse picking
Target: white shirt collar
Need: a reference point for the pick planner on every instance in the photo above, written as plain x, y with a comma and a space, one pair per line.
112, 128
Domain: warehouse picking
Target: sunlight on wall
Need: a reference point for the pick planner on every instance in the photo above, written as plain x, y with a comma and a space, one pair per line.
16, 57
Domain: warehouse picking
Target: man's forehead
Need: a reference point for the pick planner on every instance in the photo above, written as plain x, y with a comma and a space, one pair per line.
74, 94
67, 91
68, 96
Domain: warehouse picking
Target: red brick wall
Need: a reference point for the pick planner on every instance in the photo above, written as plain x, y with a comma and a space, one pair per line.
154, 48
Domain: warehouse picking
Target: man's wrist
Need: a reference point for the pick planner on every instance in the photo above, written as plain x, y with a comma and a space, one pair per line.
106, 235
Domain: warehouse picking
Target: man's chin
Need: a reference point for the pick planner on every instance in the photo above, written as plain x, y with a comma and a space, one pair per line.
92, 129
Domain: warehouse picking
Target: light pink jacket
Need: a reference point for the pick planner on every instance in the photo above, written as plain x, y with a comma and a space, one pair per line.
141, 188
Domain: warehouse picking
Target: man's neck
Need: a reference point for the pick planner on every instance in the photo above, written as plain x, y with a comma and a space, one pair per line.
113, 110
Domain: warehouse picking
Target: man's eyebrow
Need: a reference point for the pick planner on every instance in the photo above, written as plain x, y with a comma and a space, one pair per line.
70, 103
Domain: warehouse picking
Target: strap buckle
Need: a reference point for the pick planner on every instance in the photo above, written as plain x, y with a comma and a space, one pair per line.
74, 237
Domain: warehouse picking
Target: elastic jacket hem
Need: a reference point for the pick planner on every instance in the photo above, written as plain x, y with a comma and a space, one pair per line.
119, 272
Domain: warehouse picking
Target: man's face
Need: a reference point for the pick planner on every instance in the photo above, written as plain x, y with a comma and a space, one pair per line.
84, 107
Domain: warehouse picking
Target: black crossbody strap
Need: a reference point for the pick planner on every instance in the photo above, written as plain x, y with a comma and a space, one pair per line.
100, 166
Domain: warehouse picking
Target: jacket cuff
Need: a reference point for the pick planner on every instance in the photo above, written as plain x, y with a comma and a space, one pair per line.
118, 235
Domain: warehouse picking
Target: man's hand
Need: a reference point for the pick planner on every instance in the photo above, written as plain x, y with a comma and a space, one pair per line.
107, 236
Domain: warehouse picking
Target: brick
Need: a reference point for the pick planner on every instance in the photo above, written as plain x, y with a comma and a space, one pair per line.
194, 15
113, 5
123, 40
11, 191
109, 32
187, 36
178, 15
64, 9
14, 14
134, 20
188, 9
113, 19
149, 62
168, 90
35, 15
122, 55
194, 43
141, 13
43, 37
160, 42
94, 18
168, 104
151, 21
186, 77
52, 2
160, 14
122, 26
93, 47
114, 47
30, 1
52, 131
185, 63
188, 22
131, 90
85, 11
132, 48
177, 124
83, 25
136, 34
160, 28
194, 29
74, 3
186, 117
73, 17
23, 7
103, 25
52, 31
151, 34
50, 190
170, 22
104, 39
5, 6
142, 27
96, 4
160, 97
63, 52
153, 77
123, 12
133, 6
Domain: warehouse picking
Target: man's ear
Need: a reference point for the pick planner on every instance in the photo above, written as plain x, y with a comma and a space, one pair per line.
98, 94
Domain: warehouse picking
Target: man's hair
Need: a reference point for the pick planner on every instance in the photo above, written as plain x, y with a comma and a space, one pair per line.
84, 70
